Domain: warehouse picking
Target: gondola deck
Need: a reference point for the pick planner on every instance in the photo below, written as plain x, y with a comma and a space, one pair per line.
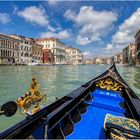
91, 124
83, 113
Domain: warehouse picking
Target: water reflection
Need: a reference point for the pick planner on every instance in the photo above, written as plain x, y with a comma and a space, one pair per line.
132, 76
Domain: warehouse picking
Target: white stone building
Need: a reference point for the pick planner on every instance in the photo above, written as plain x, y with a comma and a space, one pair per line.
37, 53
24, 49
75, 55
99, 60
108, 61
57, 48
8, 50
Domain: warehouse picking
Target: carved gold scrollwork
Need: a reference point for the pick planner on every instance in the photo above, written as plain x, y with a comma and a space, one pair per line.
109, 84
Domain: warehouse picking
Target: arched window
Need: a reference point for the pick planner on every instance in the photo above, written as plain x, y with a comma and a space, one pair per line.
10, 53
1, 52
6, 53
7, 44
3, 42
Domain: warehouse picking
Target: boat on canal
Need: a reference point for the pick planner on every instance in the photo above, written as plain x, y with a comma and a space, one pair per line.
105, 107
32, 64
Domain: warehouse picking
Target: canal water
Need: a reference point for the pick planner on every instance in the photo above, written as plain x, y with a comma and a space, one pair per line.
55, 81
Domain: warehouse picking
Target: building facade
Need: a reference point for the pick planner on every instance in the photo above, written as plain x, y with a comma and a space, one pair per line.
8, 50
89, 61
48, 56
108, 61
126, 55
57, 48
75, 55
24, 49
15, 49
137, 42
119, 58
99, 60
129, 54
68, 57
37, 53
132, 54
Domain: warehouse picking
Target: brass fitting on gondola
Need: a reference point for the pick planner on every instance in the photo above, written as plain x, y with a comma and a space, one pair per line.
32, 97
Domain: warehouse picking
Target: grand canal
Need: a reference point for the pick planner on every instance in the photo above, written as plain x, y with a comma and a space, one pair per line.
56, 81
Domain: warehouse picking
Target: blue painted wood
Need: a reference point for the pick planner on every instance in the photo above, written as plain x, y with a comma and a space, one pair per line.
91, 124
108, 100
108, 94
39, 133
108, 104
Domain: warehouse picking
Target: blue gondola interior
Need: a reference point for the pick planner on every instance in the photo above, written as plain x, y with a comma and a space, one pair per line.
91, 124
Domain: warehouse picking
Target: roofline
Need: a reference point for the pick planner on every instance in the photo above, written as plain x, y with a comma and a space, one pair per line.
72, 48
137, 33
129, 45
20, 37
46, 39
9, 36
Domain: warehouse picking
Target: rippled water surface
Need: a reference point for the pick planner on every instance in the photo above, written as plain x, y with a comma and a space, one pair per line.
56, 81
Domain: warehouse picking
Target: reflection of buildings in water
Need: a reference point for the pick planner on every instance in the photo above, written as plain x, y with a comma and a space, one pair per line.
74, 72
57, 76
137, 78
132, 77
47, 76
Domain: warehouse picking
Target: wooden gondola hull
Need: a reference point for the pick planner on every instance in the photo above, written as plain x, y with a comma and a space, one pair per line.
81, 114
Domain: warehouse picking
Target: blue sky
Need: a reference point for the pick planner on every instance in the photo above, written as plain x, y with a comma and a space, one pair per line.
98, 28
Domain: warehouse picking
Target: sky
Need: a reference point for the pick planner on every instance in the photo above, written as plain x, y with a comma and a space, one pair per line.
97, 28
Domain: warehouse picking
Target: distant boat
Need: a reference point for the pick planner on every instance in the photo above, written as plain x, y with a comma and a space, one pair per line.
103, 108
39, 64
33, 64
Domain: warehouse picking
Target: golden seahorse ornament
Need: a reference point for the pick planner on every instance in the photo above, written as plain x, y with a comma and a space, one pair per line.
32, 97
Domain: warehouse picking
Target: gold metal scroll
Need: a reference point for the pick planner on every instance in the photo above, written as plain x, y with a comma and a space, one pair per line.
109, 84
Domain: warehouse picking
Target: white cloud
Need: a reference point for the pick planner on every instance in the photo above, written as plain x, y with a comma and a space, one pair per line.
15, 10
125, 35
88, 55
69, 14
61, 35
109, 47
82, 40
4, 18
128, 29
92, 23
36, 15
